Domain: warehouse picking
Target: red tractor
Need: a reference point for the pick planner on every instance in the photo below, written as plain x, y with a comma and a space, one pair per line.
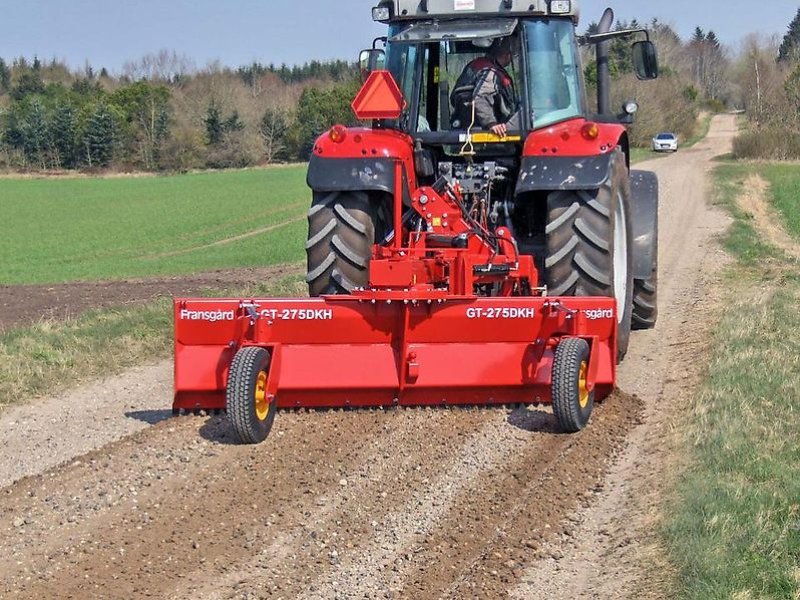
450, 265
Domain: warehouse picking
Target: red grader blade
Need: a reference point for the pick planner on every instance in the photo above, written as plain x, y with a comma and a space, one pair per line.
384, 350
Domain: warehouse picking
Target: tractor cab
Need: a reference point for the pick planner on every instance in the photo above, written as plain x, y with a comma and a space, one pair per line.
431, 43
427, 59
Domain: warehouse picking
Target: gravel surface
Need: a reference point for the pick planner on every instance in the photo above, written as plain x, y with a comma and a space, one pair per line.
664, 366
101, 497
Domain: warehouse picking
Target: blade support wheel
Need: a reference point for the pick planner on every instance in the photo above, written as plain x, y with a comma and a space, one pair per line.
572, 400
250, 409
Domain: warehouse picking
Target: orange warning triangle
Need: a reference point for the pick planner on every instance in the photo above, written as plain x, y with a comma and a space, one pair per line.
379, 98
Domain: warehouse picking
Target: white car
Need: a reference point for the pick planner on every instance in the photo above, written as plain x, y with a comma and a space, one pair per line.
665, 142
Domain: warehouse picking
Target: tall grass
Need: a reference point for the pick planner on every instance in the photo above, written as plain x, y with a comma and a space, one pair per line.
768, 143
733, 525
56, 230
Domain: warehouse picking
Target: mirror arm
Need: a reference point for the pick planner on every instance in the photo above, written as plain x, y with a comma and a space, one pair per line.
604, 37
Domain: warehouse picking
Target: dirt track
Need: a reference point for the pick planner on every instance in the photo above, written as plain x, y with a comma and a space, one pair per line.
414, 504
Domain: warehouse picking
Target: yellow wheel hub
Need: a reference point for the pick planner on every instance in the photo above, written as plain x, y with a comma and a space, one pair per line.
583, 389
262, 403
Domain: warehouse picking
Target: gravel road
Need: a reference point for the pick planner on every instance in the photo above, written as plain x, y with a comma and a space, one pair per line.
103, 496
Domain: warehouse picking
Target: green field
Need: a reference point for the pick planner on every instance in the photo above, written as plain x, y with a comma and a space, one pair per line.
57, 230
733, 525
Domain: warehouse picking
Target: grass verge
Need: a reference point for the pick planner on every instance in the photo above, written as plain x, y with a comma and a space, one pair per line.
52, 356
733, 525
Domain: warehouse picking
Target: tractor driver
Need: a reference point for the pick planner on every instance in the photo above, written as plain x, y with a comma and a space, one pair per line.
486, 88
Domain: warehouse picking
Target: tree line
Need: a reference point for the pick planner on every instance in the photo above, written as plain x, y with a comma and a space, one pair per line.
768, 73
700, 74
161, 115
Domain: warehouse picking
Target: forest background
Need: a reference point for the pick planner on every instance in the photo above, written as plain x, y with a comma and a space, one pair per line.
163, 114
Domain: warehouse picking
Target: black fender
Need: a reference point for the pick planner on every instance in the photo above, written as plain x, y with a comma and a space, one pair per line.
644, 204
350, 174
355, 174
551, 173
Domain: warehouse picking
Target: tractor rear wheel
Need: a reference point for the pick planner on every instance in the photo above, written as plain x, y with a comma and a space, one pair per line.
645, 302
341, 233
250, 410
572, 400
589, 245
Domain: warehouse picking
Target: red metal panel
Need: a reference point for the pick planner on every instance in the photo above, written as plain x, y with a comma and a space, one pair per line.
346, 351
339, 366
470, 365
566, 139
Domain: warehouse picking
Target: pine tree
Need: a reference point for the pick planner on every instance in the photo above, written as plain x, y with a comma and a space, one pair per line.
35, 134
790, 48
5, 77
30, 82
233, 123
213, 122
99, 136
63, 135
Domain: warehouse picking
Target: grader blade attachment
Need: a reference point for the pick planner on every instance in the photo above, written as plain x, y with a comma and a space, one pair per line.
351, 351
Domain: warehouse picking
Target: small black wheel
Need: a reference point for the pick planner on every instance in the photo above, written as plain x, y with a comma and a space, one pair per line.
250, 410
572, 400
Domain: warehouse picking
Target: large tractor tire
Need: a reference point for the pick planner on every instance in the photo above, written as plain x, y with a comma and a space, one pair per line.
645, 302
589, 245
341, 233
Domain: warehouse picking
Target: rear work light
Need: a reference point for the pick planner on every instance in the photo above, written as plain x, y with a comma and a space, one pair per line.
560, 7
337, 133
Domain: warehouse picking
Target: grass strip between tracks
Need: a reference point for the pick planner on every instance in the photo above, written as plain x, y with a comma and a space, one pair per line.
733, 525
52, 356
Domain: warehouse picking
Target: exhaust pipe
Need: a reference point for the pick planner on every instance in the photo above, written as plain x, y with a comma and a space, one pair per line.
603, 70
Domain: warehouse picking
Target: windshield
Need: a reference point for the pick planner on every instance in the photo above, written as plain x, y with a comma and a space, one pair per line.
555, 84
666, 136
428, 72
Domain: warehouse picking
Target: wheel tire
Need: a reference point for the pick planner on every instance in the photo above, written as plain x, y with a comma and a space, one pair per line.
341, 232
645, 303
582, 245
572, 402
250, 411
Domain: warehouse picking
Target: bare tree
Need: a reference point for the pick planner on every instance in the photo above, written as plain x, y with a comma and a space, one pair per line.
273, 128
163, 66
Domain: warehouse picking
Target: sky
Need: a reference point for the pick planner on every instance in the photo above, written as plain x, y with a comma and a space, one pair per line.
107, 33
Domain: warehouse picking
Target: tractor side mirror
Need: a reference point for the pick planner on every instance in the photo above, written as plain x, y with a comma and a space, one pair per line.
645, 60
371, 60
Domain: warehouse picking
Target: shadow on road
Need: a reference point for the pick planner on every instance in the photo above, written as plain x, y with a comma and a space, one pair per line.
149, 416
218, 429
533, 419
